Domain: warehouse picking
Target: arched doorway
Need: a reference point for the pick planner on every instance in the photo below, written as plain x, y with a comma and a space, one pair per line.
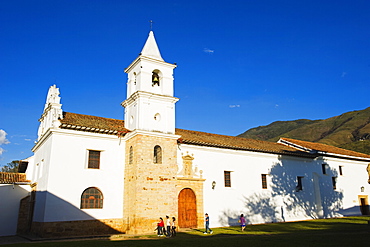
187, 209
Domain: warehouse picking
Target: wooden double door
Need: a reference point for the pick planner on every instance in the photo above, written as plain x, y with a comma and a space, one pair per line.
187, 209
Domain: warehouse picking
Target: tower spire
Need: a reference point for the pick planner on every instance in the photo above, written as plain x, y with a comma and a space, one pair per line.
151, 49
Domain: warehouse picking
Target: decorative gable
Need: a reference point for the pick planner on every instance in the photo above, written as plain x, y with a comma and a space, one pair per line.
52, 112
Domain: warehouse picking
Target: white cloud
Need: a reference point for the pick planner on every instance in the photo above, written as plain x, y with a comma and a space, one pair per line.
209, 51
28, 140
3, 139
234, 106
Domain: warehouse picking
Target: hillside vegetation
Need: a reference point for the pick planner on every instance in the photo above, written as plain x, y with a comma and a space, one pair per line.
350, 130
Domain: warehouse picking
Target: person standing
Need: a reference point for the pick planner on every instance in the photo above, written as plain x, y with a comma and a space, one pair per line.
173, 227
168, 226
160, 226
242, 222
207, 225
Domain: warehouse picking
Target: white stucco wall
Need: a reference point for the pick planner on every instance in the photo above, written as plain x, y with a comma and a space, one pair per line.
151, 113
60, 169
280, 201
354, 176
63, 164
9, 207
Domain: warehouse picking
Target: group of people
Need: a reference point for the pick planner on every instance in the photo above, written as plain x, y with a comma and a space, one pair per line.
168, 230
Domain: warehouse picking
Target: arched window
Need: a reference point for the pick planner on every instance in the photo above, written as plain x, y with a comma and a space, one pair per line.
157, 155
131, 155
91, 198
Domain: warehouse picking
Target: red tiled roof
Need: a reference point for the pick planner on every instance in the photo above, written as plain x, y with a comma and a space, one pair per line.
326, 148
10, 178
232, 142
116, 127
93, 124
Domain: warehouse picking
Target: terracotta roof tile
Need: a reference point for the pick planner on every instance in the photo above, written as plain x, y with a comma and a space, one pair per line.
232, 142
10, 178
116, 127
326, 148
92, 123
96, 124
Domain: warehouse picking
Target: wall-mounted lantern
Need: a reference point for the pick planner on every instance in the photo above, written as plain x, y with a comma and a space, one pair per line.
362, 188
213, 185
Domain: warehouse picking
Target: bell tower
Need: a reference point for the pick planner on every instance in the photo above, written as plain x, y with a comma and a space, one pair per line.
151, 145
150, 105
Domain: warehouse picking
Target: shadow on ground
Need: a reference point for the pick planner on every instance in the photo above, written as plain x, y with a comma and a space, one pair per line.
353, 231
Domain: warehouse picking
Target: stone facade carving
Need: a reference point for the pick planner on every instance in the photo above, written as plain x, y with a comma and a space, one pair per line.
187, 167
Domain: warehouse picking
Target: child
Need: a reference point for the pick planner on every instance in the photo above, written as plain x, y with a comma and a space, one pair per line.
173, 227
168, 226
242, 222
160, 227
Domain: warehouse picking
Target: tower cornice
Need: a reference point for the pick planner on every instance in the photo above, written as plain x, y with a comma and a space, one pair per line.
148, 59
150, 133
147, 95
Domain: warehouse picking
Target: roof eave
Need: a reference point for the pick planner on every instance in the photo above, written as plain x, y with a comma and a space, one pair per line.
92, 129
305, 155
342, 156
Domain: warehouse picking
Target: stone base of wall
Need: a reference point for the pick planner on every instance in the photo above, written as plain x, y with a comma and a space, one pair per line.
142, 226
78, 228
24, 216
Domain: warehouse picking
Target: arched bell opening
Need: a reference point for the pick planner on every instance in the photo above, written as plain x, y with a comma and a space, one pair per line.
156, 78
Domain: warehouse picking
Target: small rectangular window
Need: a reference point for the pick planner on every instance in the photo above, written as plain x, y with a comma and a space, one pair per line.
341, 170
94, 159
299, 183
323, 167
334, 182
264, 181
227, 179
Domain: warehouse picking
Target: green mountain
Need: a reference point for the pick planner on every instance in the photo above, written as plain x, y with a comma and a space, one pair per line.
350, 130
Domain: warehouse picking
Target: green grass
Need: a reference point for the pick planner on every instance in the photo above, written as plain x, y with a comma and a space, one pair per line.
351, 231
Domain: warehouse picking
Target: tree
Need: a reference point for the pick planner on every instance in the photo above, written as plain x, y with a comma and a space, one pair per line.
11, 167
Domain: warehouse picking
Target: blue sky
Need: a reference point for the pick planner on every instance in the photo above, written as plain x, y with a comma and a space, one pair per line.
241, 64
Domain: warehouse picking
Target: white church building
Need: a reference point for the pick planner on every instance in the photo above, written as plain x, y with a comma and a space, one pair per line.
91, 175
